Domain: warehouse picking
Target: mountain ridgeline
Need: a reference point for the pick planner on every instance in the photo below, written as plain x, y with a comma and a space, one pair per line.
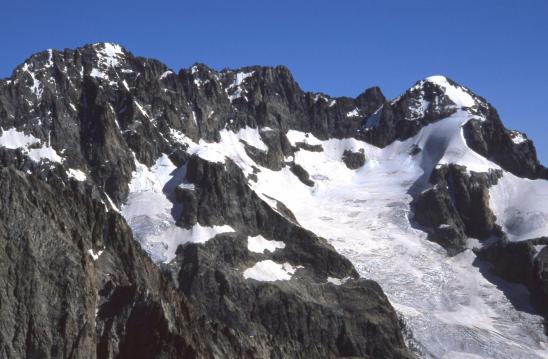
153, 214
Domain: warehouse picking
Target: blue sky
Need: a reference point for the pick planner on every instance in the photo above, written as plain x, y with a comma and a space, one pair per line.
498, 48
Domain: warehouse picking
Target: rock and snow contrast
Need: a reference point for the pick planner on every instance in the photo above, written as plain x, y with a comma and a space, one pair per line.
233, 204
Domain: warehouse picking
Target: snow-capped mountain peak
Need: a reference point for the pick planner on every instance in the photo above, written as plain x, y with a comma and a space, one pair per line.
263, 202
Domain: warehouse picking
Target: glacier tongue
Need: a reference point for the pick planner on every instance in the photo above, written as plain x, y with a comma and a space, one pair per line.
452, 310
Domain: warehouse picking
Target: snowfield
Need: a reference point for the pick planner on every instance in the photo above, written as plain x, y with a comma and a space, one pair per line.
30, 145
269, 271
452, 310
521, 206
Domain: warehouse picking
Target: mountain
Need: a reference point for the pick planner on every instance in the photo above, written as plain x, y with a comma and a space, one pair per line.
148, 213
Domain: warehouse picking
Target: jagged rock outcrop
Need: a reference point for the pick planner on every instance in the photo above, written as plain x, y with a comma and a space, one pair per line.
353, 160
456, 207
511, 150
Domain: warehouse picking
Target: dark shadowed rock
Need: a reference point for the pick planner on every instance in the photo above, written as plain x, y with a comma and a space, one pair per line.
509, 149
345, 320
301, 174
353, 160
309, 147
456, 207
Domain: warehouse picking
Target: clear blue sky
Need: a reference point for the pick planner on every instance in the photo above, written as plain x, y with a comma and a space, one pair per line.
498, 48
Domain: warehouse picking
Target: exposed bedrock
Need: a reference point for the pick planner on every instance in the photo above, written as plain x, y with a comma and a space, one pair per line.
351, 319
77, 285
511, 150
353, 160
456, 207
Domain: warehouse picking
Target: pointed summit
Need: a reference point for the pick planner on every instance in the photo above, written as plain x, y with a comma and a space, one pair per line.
459, 95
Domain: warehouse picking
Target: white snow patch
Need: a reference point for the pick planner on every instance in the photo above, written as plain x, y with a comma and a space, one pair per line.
189, 186
336, 281
259, 244
13, 139
518, 137
446, 137
141, 109
76, 174
298, 136
461, 355
270, 271
153, 179
199, 83
95, 256
44, 153
354, 113
166, 74
406, 310
112, 204
419, 109
229, 146
98, 73
50, 58
252, 137
109, 56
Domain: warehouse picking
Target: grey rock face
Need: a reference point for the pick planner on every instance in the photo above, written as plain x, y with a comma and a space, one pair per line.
301, 173
539, 286
299, 310
456, 207
509, 149
353, 160
78, 285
